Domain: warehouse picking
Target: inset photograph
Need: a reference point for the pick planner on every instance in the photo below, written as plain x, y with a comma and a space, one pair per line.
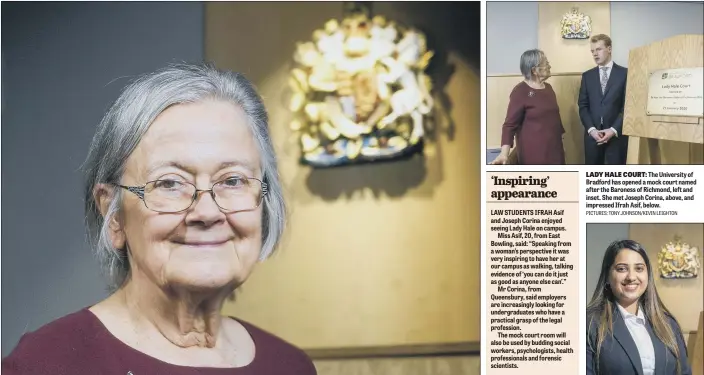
645, 298
594, 83
241, 187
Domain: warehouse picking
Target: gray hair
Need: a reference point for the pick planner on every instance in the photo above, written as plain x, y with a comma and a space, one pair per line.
529, 60
127, 121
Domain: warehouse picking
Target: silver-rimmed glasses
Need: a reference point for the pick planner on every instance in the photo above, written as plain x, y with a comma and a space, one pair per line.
232, 194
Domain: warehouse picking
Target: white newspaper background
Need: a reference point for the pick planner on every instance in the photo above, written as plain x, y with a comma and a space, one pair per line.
609, 197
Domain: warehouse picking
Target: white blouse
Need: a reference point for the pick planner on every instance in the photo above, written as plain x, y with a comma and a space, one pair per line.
639, 333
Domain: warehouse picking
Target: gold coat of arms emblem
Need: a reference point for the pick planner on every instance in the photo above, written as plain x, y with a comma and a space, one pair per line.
360, 92
576, 25
678, 260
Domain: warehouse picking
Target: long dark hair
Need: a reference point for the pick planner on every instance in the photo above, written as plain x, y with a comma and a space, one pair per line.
600, 308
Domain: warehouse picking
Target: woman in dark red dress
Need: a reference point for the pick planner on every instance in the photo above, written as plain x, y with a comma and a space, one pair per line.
183, 199
533, 116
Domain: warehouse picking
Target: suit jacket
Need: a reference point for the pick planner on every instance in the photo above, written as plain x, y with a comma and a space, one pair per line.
593, 105
619, 354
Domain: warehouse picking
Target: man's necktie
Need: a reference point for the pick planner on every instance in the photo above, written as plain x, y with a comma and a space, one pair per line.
604, 78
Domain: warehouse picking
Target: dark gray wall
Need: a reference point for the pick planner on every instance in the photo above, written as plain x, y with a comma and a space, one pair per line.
599, 237
62, 66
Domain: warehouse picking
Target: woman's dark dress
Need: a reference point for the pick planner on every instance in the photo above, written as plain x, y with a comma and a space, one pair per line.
79, 344
534, 118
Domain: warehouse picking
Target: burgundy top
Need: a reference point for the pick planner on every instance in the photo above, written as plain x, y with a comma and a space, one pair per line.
79, 344
534, 118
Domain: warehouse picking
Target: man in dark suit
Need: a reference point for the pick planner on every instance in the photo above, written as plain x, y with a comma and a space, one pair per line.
602, 97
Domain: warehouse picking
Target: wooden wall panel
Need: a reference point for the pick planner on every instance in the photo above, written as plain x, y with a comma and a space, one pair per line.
696, 348
567, 90
498, 89
677, 52
671, 140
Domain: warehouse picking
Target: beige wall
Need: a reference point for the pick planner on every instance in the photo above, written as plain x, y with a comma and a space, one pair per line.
570, 55
683, 297
383, 254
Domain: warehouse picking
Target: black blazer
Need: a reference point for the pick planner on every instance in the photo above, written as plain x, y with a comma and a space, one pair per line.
619, 354
593, 105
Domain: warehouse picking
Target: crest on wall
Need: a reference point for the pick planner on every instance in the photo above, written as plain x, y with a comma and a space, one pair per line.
678, 260
576, 25
360, 92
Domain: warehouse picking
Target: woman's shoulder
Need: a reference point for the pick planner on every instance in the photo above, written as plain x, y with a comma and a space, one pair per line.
72, 328
594, 318
520, 87
673, 323
61, 343
519, 93
268, 345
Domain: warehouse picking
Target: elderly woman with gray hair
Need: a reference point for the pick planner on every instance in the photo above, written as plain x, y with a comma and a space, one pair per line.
182, 199
533, 117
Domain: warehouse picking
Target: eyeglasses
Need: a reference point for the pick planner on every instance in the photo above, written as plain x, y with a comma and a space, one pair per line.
233, 194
